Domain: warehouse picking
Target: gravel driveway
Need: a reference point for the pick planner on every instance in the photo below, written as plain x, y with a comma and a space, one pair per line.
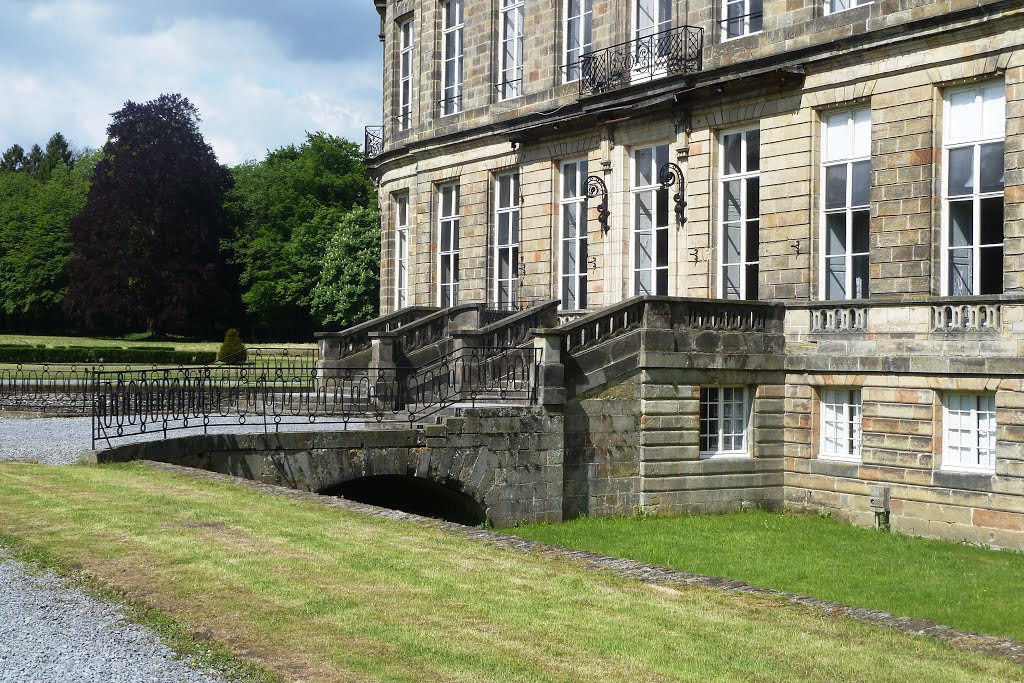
52, 633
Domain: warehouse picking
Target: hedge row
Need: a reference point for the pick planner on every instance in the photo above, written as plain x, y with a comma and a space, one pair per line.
130, 356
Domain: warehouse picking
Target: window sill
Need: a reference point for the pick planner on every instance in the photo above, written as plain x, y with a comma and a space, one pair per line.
967, 469
734, 455
853, 459
725, 40
848, 9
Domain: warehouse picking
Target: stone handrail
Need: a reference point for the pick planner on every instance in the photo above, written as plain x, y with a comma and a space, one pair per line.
603, 325
338, 345
967, 317
429, 330
839, 319
515, 330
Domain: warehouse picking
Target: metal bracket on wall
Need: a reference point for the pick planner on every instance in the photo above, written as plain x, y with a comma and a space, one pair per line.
596, 187
670, 174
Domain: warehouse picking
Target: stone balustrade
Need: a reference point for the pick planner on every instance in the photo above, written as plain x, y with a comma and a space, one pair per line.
839, 319
967, 318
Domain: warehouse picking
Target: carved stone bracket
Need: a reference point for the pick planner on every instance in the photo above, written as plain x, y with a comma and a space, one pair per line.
670, 174
595, 188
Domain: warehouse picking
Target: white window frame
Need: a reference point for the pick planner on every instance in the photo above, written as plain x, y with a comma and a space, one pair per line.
745, 14
507, 210
406, 37
511, 48
976, 197
401, 251
973, 415
840, 429
829, 5
583, 35
719, 432
828, 160
450, 222
574, 200
659, 198
455, 29
743, 176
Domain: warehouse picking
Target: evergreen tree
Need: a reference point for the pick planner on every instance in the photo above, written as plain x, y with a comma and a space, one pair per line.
13, 159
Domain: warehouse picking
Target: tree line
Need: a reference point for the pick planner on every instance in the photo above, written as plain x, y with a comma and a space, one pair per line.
152, 234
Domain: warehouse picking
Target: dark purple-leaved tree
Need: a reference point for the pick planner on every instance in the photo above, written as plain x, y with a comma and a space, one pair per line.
147, 244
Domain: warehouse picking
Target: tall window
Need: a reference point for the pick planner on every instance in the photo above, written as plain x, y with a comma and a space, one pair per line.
651, 18
742, 17
405, 77
506, 244
840, 424
846, 200
969, 432
451, 77
832, 6
401, 251
650, 222
975, 129
578, 39
724, 413
574, 236
448, 261
740, 213
511, 48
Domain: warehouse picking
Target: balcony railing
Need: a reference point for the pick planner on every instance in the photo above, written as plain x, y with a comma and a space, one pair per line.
668, 53
374, 145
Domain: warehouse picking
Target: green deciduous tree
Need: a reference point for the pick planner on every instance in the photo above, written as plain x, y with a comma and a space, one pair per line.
347, 288
13, 159
285, 209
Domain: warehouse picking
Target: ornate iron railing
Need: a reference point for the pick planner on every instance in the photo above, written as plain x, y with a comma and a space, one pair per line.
667, 53
374, 143
135, 403
54, 388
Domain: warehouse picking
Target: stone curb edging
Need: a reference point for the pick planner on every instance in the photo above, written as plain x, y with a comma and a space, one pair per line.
1007, 648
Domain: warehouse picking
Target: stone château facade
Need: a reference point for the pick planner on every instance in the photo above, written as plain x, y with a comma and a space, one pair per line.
820, 202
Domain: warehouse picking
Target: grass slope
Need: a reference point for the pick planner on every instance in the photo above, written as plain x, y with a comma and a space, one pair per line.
317, 593
967, 587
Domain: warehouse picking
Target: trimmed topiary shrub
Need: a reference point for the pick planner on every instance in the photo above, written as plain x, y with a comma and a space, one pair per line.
232, 350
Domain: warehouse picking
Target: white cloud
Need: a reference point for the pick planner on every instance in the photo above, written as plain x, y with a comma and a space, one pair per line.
252, 93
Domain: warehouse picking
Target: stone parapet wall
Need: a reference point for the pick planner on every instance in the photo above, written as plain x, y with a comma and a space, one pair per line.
507, 459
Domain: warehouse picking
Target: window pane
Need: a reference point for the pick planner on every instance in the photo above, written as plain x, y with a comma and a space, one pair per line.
961, 171
732, 243
835, 234
446, 240
860, 277
644, 160
732, 200
753, 208
662, 242
862, 133
735, 20
861, 184
837, 137
994, 110
991, 228
732, 152
569, 221
751, 284
753, 149
960, 272
644, 257
835, 186
992, 173
644, 212
731, 282
964, 118
835, 278
991, 270
662, 207
961, 223
861, 239
753, 240
756, 15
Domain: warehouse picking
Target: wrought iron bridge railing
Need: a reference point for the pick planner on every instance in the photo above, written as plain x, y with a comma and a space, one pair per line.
135, 403
374, 143
667, 53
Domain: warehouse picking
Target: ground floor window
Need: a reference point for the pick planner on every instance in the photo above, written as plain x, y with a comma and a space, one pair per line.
969, 432
724, 416
840, 424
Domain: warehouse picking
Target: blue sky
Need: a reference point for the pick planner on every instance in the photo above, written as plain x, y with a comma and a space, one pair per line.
261, 72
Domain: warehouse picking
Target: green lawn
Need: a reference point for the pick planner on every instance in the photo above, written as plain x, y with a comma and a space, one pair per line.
52, 341
317, 593
963, 586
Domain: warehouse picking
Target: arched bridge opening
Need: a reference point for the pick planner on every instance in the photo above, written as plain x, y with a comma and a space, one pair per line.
415, 495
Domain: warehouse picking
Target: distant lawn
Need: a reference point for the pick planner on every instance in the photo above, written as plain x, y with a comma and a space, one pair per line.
970, 588
52, 341
320, 594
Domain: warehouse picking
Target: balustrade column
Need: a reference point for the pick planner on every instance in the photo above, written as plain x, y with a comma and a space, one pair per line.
550, 378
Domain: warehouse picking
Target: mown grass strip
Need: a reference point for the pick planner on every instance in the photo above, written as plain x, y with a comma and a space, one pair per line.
319, 593
969, 588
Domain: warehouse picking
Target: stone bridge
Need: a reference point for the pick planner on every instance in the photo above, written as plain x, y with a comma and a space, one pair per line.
499, 464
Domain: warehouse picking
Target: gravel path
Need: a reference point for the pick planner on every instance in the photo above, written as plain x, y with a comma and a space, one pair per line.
51, 633
60, 440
